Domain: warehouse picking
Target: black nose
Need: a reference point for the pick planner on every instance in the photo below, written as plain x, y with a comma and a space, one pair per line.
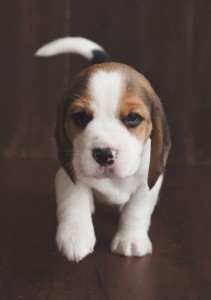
104, 156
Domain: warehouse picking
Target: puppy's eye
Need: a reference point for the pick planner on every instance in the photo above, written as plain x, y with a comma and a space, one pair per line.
81, 119
132, 120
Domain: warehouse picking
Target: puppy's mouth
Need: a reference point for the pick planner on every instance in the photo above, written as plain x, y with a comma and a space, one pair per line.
104, 171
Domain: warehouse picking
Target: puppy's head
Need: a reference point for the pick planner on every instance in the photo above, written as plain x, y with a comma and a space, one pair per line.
108, 114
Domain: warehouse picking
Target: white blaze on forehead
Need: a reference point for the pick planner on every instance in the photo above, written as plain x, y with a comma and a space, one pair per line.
106, 88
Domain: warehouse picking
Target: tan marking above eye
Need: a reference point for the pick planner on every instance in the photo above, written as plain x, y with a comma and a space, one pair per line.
80, 105
132, 104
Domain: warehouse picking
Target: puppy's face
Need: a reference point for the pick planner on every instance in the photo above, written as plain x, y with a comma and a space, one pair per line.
107, 120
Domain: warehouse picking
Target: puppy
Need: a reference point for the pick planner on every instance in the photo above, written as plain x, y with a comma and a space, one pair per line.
113, 140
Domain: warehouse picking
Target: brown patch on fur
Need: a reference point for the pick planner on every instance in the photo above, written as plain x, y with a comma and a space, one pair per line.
64, 145
160, 139
132, 104
66, 130
82, 104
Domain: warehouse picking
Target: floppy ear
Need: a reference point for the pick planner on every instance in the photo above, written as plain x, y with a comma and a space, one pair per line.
64, 145
160, 141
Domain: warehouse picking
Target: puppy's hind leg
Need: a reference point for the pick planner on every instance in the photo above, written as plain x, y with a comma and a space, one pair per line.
75, 233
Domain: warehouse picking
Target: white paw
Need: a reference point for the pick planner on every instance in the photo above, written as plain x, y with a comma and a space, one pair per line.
131, 246
75, 244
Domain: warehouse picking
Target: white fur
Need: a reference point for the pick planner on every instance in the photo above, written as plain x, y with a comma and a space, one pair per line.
132, 238
106, 89
77, 45
75, 234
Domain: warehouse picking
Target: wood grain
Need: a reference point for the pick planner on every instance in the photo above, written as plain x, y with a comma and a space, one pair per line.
32, 268
31, 87
168, 42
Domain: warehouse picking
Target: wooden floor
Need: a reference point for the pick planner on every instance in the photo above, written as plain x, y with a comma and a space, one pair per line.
31, 267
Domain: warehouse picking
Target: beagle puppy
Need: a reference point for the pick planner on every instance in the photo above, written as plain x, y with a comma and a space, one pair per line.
113, 141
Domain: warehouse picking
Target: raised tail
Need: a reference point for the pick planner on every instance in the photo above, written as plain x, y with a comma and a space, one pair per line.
76, 45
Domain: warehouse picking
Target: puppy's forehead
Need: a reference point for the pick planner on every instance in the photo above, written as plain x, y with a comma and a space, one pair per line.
106, 88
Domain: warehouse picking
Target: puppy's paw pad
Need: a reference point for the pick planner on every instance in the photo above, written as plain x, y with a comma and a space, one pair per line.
130, 246
75, 245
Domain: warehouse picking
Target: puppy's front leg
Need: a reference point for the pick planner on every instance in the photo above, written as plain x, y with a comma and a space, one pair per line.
132, 238
75, 233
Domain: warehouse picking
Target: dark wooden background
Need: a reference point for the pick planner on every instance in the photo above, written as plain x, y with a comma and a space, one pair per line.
169, 41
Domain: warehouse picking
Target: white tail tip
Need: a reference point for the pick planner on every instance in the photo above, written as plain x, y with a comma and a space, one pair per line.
76, 45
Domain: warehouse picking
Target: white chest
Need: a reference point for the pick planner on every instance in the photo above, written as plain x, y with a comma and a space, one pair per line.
115, 190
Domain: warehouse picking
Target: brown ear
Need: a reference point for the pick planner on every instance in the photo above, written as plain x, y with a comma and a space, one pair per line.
160, 141
64, 145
